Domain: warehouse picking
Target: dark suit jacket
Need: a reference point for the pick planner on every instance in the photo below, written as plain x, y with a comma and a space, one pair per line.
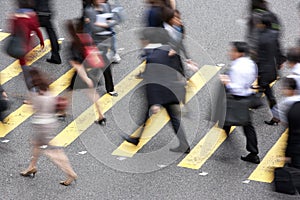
267, 55
165, 83
293, 143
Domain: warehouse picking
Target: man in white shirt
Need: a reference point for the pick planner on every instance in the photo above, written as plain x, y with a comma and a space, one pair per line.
242, 73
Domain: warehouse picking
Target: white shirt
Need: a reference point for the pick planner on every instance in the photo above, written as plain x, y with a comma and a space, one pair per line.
242, 73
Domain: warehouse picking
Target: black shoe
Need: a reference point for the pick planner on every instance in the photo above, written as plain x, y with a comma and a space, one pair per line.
251, 158
272, 122
132, 140
101, 122
181, 149
54, 61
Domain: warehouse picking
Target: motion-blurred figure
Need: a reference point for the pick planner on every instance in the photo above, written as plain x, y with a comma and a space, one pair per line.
81, 79
241, 75
44, 12
165, 85
98, 26
45, 123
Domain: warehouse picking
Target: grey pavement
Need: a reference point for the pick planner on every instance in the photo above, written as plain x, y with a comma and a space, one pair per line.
153, 172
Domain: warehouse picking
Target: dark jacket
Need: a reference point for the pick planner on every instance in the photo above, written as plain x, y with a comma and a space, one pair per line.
267, 54
165, 83
293, 143
42, 6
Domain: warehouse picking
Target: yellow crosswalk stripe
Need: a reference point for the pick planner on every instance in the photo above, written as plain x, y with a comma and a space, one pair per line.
87, 118
156, 122
3, 35
17, 117
264, 172
14, 69
205, 148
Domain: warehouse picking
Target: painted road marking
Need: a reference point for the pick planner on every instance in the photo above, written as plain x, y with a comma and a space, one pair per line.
87, 118
156, 122
3, 35
205, 148
264, 172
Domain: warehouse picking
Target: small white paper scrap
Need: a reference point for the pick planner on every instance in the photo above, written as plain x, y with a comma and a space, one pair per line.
5, 141
203, 173
246, 181
43, 147
221, 65
121, 158
121, 49
82, 152
61, 39
161, 166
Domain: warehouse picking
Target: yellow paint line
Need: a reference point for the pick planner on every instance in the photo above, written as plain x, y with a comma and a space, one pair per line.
14, 69
3, 35
205, 148
25, 111
158, 121
264, 172
87, 118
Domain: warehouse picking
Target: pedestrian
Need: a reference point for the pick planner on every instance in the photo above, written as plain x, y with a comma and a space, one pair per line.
23, 22
81, 78
241, 75
45, 123
293, 62
45, 15
266, 57
165, 86
290, 117
99, 31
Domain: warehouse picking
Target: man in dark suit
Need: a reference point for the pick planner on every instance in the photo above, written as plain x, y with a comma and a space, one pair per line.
42, 7
165, 83
268, 57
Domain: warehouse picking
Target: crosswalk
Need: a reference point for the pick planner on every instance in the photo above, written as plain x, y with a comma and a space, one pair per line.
200, 153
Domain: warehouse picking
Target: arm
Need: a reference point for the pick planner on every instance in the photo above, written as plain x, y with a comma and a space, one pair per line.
35, 27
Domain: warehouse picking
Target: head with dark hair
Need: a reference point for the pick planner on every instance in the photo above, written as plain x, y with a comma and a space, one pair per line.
258, 4
238, 49
154, 35
293, 56
25, 3
39, 79
266, 20
289, 86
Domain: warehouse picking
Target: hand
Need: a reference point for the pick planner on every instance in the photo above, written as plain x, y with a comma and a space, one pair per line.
224, 79
155, 109
42, 45
192, 65
172, 52
102, 25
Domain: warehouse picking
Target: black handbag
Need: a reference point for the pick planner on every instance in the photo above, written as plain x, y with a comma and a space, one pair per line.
255, 101
287, 180
237, 111
15, 46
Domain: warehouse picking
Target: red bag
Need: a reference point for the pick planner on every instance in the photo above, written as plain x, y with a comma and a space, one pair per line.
91, 53
61, 104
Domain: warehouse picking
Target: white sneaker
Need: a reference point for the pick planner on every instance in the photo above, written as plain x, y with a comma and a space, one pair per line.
116, 59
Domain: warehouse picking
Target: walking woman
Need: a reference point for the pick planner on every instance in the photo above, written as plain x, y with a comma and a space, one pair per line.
23, 22
44, 123
81, 79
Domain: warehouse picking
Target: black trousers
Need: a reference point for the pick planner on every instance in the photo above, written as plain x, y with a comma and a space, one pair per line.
45, 21
109, 84
174, 111
251, 138
264, 83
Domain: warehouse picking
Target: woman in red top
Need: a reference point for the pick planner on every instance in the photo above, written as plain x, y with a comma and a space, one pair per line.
24, 21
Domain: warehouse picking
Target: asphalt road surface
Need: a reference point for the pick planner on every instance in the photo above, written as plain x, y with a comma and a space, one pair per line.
107, 168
